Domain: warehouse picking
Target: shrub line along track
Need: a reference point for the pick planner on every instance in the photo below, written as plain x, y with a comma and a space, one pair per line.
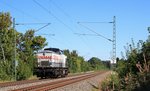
57, 84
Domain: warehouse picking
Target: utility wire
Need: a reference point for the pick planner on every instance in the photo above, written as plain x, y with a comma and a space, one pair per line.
43, 27
52, 15
95, 22
60, 42
45, 9
67, 15
71, 20
59, 8
47, 34
30, 23
86, 34
47, 24
56, 17
94, 31
64, 42
22, 12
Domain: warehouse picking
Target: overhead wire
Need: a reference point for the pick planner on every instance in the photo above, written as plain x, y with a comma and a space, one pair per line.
86, 34
60, 42
64, 42
20, 11
45, 9
60, 9
94, 32
42, 27
47, 34
24, 13
36, 30
95, 22
31, 23
68, 16
63, 11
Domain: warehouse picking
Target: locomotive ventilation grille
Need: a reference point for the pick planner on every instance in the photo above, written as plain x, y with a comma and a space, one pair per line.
45, 63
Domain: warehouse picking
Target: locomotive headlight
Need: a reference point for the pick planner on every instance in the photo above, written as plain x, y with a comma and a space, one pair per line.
38, 63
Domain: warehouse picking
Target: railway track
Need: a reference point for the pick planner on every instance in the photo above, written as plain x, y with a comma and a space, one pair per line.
56, 84
8, 84
44, 84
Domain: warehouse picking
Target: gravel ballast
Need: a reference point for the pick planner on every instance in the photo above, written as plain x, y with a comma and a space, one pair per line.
85, 85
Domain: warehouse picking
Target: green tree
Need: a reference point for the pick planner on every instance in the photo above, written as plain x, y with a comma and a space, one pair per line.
26, 45
75, 62
134, 71
6, 46
95, 63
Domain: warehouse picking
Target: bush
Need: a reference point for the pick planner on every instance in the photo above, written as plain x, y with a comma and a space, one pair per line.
6, 70
112, 82
23, 71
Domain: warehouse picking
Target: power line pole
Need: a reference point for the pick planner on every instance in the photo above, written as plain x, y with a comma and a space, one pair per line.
15, 62
113, 62
113, 40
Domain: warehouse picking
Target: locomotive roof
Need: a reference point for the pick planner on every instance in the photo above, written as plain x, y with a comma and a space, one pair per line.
53, 49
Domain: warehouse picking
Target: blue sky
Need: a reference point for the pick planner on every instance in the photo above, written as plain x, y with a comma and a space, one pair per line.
132, 20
